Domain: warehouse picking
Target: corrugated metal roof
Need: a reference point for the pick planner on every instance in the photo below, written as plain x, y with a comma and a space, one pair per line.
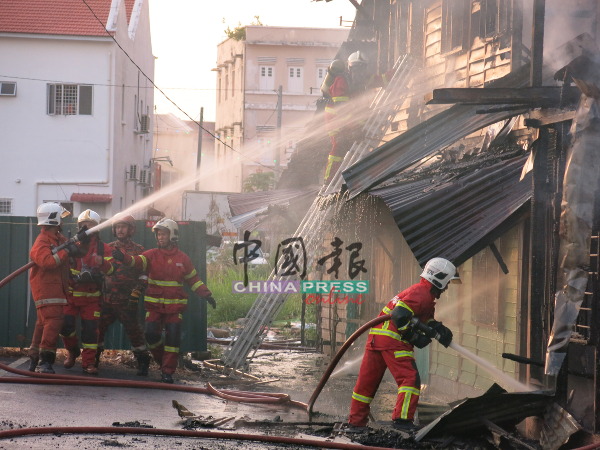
449, 218
499, 409
428, 137
245, 207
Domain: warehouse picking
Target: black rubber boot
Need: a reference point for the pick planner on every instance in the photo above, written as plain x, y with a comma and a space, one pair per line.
404, 425
46, 361
143, 360
166, 378
33, 362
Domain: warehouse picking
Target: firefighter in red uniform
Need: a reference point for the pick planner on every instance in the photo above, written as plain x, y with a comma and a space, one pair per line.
165, 300
390, 345
87, 279
345, 88
123, 289
49, 284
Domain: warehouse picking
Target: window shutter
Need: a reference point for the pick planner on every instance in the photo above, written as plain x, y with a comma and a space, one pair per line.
85, 100
51, 99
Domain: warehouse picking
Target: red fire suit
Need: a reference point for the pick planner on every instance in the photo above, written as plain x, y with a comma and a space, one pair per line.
84, 299
165, 300
339, 119
386, 349
49, 285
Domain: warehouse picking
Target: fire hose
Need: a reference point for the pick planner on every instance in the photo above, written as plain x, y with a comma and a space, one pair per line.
187, 433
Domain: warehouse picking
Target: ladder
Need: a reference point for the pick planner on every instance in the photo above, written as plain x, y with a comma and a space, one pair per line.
266, 307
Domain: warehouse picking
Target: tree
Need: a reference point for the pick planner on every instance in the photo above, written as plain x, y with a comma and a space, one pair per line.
239, 32
260, 181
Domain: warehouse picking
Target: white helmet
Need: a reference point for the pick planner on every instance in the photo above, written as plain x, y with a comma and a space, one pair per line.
357, 58
439, 272
89, 215
169, 225
51, 214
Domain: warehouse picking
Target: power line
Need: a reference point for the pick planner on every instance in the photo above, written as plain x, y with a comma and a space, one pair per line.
166, 96
113, 85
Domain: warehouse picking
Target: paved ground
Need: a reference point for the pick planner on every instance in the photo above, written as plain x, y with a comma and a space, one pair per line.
38, 406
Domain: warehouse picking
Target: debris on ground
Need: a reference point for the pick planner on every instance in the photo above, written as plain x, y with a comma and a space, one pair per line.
135, 424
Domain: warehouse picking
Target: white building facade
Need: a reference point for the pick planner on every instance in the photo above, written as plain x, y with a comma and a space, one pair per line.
77, 127
249, 72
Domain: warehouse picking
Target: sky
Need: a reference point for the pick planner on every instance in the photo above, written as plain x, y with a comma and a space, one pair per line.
185, 34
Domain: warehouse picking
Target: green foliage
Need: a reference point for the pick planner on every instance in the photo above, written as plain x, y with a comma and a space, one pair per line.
260, 181
231, 307
239, 32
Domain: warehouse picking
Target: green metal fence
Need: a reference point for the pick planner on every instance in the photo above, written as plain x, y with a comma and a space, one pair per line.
17, 310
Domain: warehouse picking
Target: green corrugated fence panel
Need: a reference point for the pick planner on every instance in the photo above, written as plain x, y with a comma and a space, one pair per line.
17, 323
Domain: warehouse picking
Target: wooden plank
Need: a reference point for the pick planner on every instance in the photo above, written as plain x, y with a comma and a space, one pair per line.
433, 49
477, 54
434, 13
498, 72
432, 38
461, 61
477, 67
433, 26
492, 96
460, 83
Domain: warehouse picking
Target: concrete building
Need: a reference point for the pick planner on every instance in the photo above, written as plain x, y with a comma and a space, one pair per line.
175, 157
82, 138
249, 73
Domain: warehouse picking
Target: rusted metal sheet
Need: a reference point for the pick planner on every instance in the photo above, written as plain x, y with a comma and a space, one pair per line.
450, 218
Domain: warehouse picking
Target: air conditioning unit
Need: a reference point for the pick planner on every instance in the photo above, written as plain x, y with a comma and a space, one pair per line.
134, 172
8, 89
146, 178
144, 123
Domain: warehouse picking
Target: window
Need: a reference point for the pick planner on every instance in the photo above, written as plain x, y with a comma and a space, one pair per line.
219, 91
267, 78
489, 18
321, 74
295, 79
6, 206
70, 99
226, 84
454, 30
233, 82
8, 89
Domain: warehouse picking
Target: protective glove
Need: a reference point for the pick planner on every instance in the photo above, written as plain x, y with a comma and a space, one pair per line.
417, 339
444, 332
72, 249
211, 301
82, 236
118, 254
401, 317
134, 297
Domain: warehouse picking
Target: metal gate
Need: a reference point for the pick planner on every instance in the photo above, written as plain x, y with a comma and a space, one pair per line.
17, 310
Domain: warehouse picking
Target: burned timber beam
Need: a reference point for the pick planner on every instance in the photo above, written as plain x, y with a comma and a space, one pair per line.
549, 96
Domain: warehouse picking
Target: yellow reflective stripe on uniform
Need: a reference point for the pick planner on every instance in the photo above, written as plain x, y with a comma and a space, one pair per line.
197, 285
85, 294
191, 274
387, 333
70, 335
333, 133
92, 346
96, 313
147, 314
335, 158
404, 353
75, 272
384, 78
144, 262
108, 258
164, 283
343, 98
111, 270
166, 301
386, 310
180, 316
401, 303
172, 349
408, 393
361, 398
158, 344
330, 110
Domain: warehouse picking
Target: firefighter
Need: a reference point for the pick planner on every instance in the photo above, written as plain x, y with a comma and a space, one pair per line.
390, 345
123, 289
165, 300
344, 86
49, 284
86, 289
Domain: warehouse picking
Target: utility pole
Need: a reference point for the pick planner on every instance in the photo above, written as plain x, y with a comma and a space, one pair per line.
278, 138
199, 154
